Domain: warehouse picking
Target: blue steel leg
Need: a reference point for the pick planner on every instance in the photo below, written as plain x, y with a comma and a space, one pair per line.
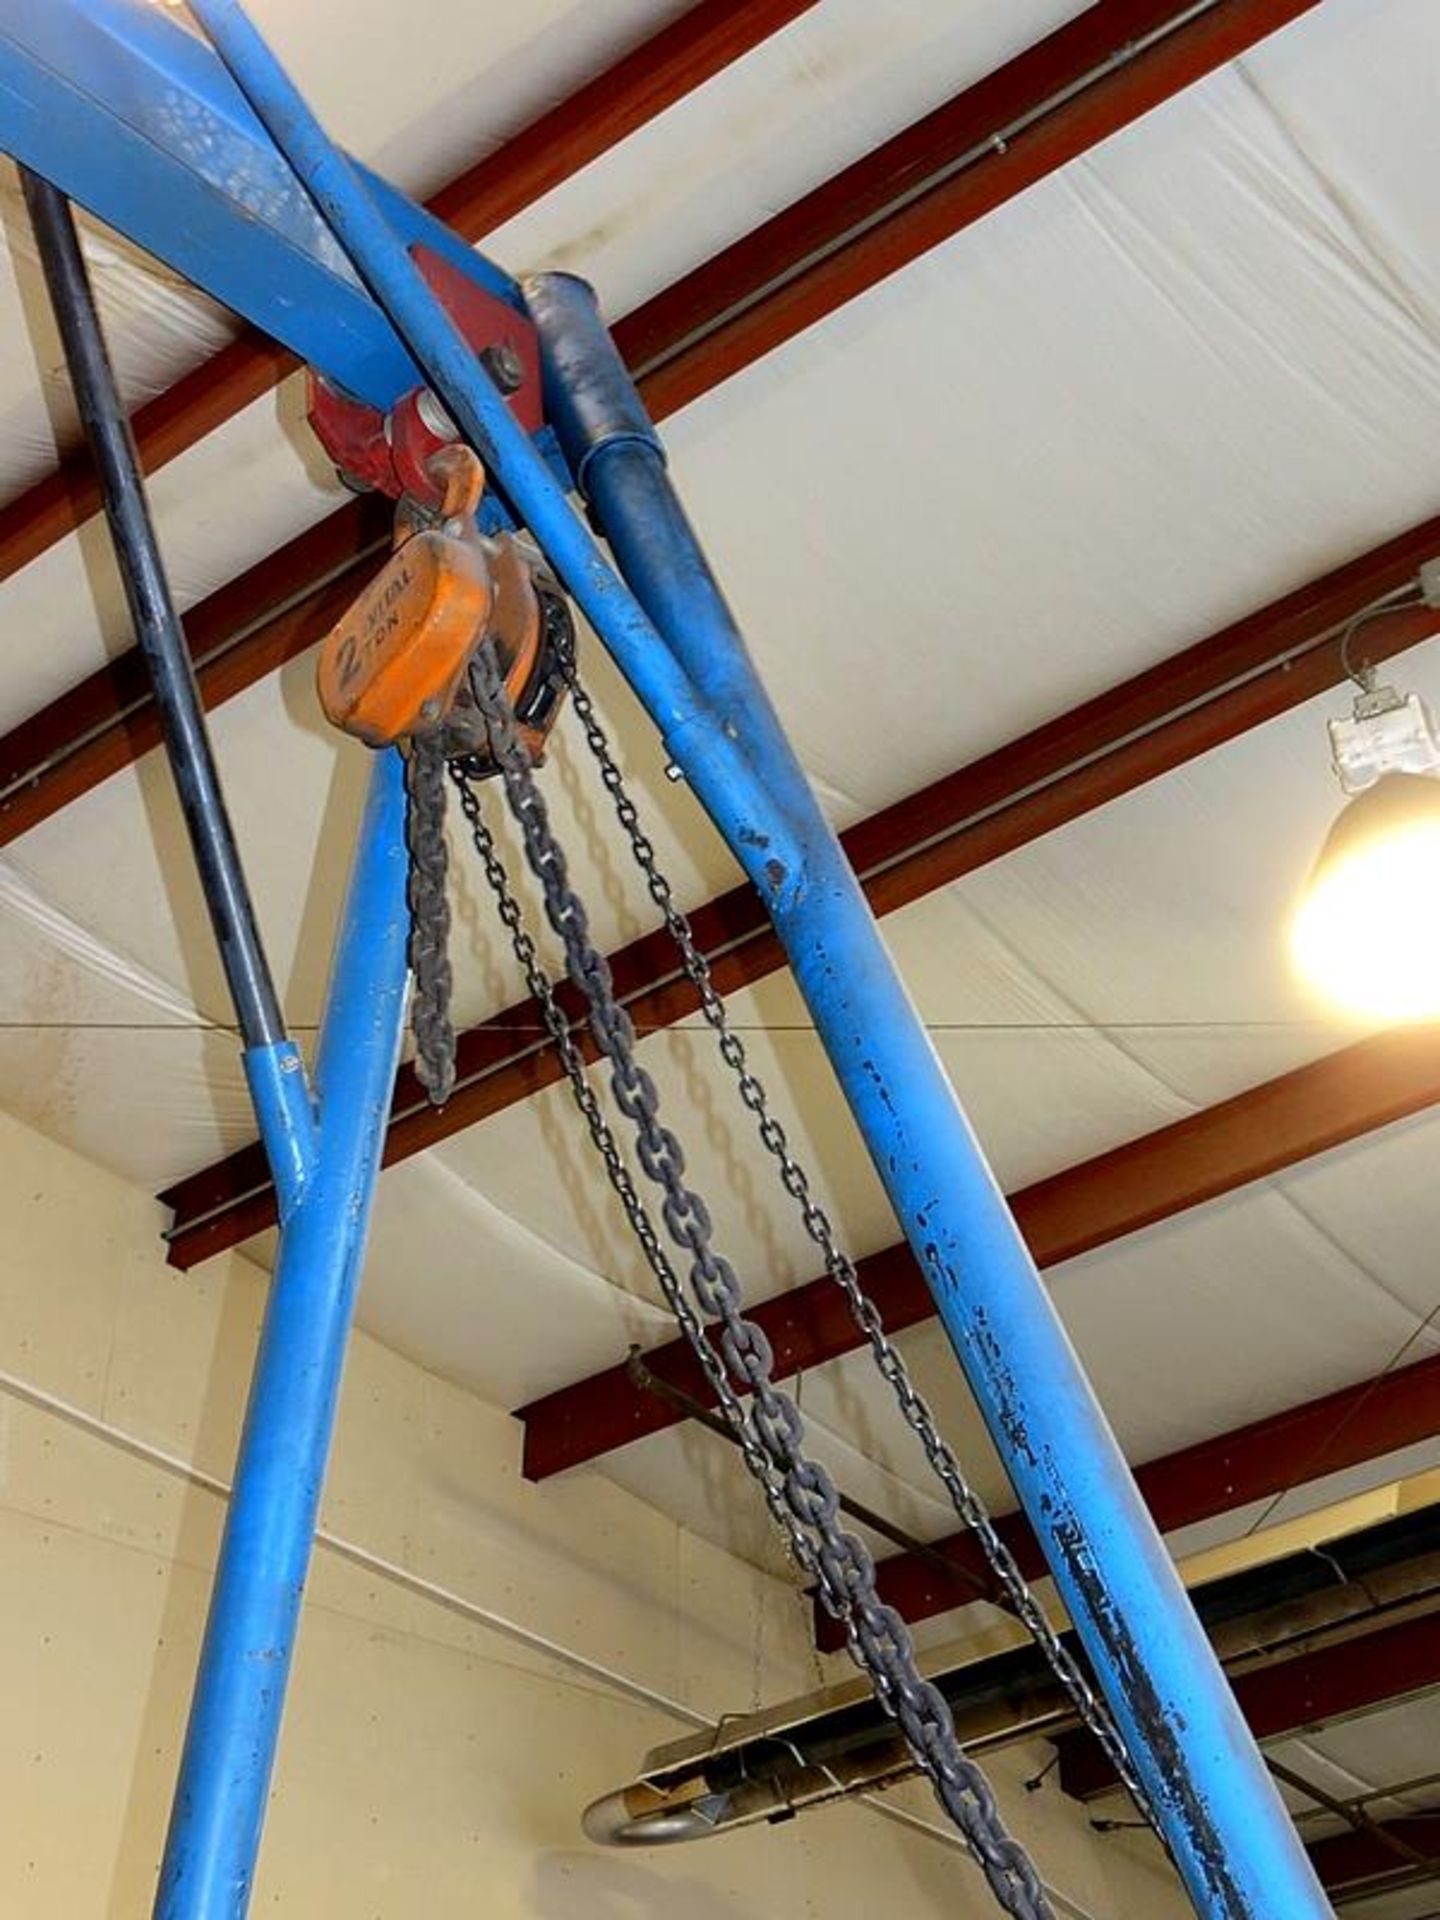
1230, 1834
1235, 1847
324, 1173
250, 1636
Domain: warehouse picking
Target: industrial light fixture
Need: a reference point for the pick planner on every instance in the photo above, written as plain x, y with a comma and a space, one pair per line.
1367, 931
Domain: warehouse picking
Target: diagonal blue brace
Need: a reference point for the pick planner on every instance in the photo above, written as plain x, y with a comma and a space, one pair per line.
1228, 1831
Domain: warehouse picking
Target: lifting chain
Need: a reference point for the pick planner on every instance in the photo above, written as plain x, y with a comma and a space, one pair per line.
394, 671
798, 1490
914, 1410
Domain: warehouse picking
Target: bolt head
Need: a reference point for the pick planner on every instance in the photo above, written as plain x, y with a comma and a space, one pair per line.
504, 366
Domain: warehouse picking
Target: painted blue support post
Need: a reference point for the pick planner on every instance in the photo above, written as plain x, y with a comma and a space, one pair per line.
325, 1210
1231, 1837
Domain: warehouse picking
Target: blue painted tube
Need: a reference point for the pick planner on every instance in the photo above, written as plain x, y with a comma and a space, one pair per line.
1228, 1830
219, 1806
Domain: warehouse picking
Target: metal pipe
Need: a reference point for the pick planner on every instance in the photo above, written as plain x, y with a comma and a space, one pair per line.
152, 613
219, 1807
1227, 1828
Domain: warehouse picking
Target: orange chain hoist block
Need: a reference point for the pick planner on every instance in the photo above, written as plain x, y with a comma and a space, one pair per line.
396, 664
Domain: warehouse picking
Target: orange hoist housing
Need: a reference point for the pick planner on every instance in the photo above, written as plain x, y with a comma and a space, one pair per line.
396, 665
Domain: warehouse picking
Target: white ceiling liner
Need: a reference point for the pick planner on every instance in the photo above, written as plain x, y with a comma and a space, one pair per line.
835, 83
1162, 387
1176, 380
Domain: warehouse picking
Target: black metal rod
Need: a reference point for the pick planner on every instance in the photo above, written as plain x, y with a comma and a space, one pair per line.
152, 612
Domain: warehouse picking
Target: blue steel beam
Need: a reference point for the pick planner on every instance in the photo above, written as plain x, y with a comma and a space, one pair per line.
230, 1743
136, 120
1229, 1833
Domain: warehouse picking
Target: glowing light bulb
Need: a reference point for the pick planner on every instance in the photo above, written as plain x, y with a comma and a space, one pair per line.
1367, 934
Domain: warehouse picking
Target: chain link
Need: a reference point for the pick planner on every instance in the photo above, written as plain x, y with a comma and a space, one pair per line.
914, 1409
429, 941
798, 1490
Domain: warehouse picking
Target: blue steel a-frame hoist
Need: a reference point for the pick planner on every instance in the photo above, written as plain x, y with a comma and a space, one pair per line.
207, 157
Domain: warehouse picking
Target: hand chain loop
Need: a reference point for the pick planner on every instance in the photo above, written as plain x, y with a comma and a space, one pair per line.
797, 1490
429, 939
914, 1410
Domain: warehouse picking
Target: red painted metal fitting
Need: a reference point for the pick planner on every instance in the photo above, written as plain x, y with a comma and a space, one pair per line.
416, 428
391, 452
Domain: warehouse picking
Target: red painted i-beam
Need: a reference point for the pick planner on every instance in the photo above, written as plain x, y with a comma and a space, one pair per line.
1208, 693
1092, 1204
1091, 77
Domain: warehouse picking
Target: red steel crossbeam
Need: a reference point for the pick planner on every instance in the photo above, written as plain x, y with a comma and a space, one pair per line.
1146, 726
1092, 1204
1389, 1662
1258, 1461
1346, 1862
651, 77
910, 194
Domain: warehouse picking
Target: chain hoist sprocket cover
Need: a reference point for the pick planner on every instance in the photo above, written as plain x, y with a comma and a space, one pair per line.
395, 667
391, 666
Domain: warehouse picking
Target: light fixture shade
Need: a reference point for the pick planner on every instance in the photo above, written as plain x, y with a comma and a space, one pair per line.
1367, 933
